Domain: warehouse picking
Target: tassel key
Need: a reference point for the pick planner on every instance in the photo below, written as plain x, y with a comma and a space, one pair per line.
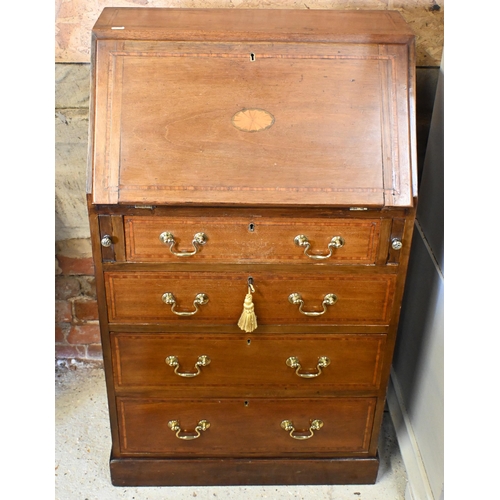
248, 319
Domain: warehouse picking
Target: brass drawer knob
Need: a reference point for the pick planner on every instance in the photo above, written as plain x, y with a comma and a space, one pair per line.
293, 362
328, 300
200, 300
315, 425
106, 241
301, 240
175, 426
199, 239
396, 244
173, 361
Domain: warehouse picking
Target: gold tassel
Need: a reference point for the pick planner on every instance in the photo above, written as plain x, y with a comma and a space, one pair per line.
248, 320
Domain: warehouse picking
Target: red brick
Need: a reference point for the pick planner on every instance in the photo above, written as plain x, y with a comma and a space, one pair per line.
66, 287
84, 334
94, 351
61, 331
86, 310
70, 352
73, 265
63, 311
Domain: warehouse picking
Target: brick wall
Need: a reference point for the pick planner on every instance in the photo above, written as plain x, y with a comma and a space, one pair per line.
76, 322
76, 325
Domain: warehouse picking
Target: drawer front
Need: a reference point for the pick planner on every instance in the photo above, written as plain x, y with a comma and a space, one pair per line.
341, 362
259, 239
360, 299
240, 427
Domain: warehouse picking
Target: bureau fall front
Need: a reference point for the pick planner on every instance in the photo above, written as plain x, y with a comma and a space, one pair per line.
251, 196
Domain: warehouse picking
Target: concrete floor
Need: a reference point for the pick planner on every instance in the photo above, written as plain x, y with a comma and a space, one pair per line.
83, 442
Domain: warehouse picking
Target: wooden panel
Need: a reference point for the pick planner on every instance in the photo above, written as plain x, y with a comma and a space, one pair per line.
245, 428
119, 235
398, 226
253, 24
240, 471
137, 297
177, 141
112, 226
247, 360
74, 23
106, 229
252, 239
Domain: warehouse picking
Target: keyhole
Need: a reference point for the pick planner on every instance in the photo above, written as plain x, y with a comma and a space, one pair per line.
251, 227
249, 341
252, 57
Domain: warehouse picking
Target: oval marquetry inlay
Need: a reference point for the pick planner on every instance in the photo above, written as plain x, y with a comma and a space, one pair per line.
252, 120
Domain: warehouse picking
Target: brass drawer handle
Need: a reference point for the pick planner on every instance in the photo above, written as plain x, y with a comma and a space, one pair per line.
316, 425
328, 300
199, 239
293, 362
301, 240
200, 300
203, 360
175, 426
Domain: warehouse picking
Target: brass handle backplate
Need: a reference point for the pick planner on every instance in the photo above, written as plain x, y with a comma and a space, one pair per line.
328, 300
301, 240
293, 362
200, 300
199, 239
175, 426
315, 425
173, 361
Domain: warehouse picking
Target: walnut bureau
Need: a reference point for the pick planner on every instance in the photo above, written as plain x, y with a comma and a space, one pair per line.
251, 195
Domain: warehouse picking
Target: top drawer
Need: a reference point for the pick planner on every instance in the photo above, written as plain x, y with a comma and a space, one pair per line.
246, 239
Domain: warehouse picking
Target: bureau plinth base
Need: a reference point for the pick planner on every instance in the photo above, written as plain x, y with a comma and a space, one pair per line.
241, 472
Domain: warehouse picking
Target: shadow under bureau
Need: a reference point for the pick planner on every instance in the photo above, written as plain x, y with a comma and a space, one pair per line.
251, 195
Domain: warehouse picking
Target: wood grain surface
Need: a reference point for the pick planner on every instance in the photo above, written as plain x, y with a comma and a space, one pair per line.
245, 427
137, 298
251, 239
247, 361
170, 139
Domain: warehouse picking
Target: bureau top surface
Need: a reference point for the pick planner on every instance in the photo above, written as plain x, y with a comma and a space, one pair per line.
252, 107
252, 24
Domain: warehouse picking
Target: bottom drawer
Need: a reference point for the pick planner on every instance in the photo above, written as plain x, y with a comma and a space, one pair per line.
236, 427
